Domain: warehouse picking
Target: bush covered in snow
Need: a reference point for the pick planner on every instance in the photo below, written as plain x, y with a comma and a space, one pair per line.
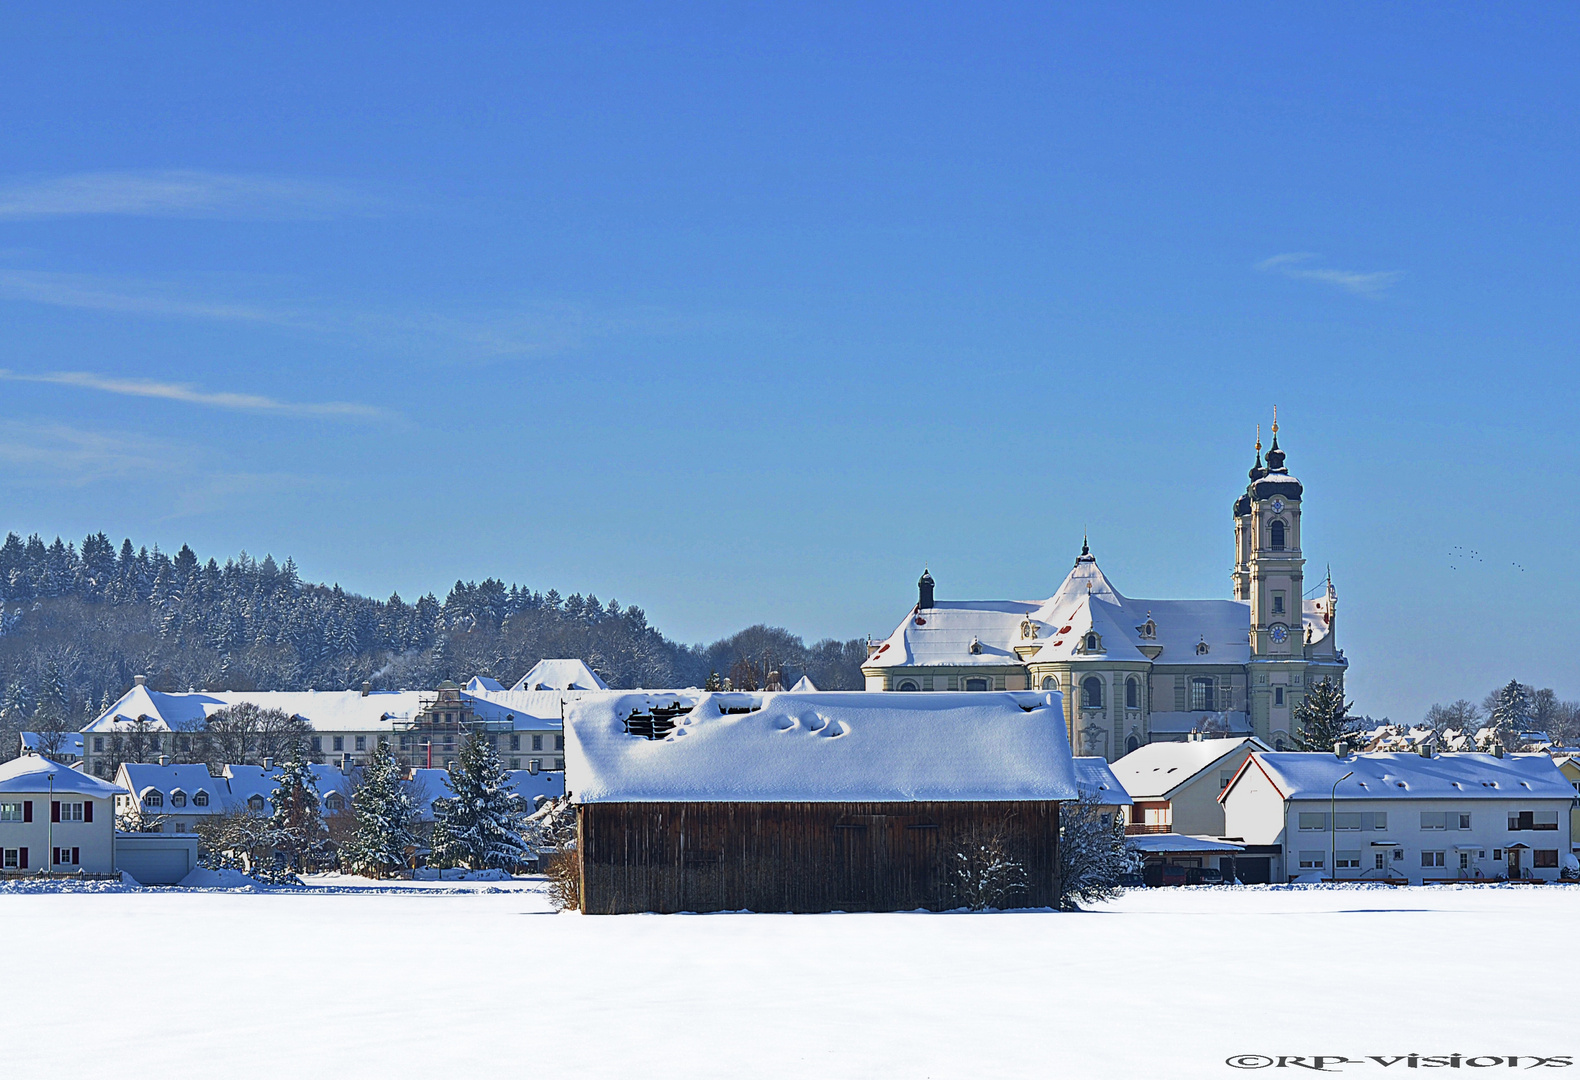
980, 872
1094, 856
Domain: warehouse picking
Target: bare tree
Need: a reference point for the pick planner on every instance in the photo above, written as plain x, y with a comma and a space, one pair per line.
980, 871
245, 734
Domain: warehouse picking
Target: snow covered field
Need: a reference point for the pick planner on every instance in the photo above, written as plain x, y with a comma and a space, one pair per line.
481, 979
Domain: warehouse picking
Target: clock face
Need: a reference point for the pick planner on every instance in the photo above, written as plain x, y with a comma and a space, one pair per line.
1279, 634
1278, 506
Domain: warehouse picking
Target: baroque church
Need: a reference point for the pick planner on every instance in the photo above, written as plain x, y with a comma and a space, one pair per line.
1139, 671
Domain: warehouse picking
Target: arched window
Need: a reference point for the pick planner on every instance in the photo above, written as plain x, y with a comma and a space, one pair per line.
255, 803
178, 798
1132, 694
1091, 642
1091, 692
1050, 682
153, 798
1276, 533
907, 684
1278, 744
1132, 744
200, 799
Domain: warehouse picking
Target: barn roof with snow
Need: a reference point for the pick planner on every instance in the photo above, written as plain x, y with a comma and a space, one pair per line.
823, 747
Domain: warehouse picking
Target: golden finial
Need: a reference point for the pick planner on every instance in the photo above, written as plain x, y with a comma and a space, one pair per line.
1275, 419
1258, 438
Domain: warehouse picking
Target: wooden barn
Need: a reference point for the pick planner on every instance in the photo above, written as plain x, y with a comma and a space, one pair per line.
809, 802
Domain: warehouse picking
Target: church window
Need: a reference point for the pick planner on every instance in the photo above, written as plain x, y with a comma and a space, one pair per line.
1132, 694
1091, 692
1278, 695
907, 684
1201, 695
1050, 682
1278, 603
1132, 744
1278, 744
1276, 534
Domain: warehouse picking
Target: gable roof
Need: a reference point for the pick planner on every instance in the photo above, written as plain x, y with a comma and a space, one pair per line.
825, 747
1157, 770
560, 675
324, 710
141, 778
1409, 776
30, 774
1093, 777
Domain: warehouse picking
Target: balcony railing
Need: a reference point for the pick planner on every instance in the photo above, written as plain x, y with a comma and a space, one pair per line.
1143, 829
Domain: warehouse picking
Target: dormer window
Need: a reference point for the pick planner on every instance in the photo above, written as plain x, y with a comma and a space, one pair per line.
153, 798
1202, 647
178, 798
976, 647
255, 803
200, 799
1148, 629
335, 801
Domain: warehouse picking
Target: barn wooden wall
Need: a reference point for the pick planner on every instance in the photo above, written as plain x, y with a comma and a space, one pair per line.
669, 857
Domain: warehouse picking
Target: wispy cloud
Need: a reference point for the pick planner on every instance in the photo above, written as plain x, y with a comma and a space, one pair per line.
191, 395
529, 328
182, 193
42, 455
1296, 264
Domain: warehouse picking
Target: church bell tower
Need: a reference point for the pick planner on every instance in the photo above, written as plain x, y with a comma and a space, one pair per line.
1269, 568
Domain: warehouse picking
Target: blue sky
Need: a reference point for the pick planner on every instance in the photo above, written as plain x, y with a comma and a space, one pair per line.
745, 314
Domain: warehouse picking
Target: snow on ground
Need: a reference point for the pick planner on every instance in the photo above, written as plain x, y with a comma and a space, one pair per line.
448, 979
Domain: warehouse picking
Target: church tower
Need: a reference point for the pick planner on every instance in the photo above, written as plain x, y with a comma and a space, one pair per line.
1269, 574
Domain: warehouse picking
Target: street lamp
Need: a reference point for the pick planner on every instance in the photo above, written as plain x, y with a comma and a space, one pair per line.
1332, 825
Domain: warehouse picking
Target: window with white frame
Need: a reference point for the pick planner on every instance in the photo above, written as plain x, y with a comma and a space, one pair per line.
255, 803
10, 811
362, 742
178, 798
1434, 858
1347, 822
1433, 821
153, 798
1201, 695
200, 798
70, 811
9, 860
1313, 860
1313, 822
1346, 860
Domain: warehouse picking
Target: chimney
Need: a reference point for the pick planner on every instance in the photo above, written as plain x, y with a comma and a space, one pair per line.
164, 759
1497, 751
345, 763
139, 680
367, 688
924, 590
268, 763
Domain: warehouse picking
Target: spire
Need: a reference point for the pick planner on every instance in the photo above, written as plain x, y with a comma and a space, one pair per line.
924, 590
1275, 456
1086, 552
1257, 471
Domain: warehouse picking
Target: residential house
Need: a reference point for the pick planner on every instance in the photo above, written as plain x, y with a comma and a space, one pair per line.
811, 802
54, 818
1569, 765
1403, 817
1176, 785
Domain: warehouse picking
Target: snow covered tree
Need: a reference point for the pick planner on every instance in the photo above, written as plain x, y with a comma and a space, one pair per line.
1511, 714
480, 827
296, 829
1322, 718
385, 812
981, 872
551, 832
1094, 856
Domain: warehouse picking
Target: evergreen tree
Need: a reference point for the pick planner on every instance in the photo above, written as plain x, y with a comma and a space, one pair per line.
385, 812
1322, 718
1511, 714
480, 827
296, 829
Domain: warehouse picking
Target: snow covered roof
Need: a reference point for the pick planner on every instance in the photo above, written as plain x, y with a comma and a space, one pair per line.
803, 685
143, 778
1156, 770
824, 747
1084, 602
482, 684
1170, 843
1410, 776
70, 742
31, 774
245, 781
561, 675
1093, 777
431, 784
324, 710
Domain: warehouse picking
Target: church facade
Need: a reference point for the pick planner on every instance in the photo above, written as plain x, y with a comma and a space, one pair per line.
1138, 671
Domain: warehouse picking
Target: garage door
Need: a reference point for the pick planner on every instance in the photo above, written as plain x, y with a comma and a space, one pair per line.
157, 866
